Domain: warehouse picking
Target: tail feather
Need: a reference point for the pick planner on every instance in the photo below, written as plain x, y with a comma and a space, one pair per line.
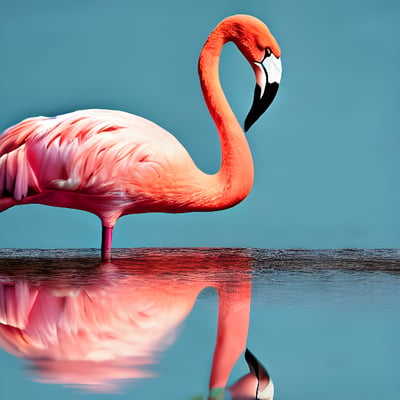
17, 177
15, 136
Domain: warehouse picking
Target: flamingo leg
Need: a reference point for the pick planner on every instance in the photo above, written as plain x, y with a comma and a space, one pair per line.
106, 243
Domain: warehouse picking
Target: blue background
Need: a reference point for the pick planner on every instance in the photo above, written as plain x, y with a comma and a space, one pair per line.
325, 153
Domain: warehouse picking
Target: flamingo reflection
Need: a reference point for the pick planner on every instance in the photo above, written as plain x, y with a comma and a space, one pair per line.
113, 324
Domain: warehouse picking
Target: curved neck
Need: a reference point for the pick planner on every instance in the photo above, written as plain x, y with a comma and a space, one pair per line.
233, 325
235, 177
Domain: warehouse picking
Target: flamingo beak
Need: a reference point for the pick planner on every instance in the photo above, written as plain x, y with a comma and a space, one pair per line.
268, 76
265, 387
256, 385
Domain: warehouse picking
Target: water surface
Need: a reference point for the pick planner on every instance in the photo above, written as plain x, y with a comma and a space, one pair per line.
324, 323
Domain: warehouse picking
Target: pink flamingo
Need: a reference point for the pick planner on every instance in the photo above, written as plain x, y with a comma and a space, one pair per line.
113, 163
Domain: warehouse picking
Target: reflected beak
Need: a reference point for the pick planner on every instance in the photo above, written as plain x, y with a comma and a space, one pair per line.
268, 76
265, 387
257, 384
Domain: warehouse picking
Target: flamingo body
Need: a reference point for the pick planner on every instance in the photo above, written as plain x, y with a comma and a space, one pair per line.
95, 160
112, 163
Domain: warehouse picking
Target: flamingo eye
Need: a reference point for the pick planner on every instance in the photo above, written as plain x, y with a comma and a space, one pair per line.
268, 52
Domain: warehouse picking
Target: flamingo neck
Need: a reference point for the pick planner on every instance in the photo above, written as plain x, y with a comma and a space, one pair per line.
233, 324
235, 177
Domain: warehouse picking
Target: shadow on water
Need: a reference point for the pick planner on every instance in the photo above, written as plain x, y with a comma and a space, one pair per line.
79, 322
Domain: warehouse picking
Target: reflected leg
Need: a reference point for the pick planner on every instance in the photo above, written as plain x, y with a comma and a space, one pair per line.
106, 243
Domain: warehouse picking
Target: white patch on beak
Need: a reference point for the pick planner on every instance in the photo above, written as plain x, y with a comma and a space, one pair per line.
267, 393
273, 65
268, 71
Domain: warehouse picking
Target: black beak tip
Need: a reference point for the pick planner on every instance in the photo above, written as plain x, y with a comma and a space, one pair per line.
249, 121
260, 103
251, 361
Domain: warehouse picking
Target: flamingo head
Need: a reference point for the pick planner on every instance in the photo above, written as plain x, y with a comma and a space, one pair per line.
256, 385
262, 51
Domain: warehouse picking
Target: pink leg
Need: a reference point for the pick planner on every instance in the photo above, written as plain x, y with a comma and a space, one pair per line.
106, 243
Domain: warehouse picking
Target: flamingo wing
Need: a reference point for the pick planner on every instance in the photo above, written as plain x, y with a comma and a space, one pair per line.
91, 151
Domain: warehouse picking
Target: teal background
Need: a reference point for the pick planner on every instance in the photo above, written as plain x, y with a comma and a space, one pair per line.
325, 153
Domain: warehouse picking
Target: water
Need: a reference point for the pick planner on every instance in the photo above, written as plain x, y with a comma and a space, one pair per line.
324, 323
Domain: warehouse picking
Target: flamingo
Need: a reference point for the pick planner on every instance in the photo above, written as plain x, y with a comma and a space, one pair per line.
112, 163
